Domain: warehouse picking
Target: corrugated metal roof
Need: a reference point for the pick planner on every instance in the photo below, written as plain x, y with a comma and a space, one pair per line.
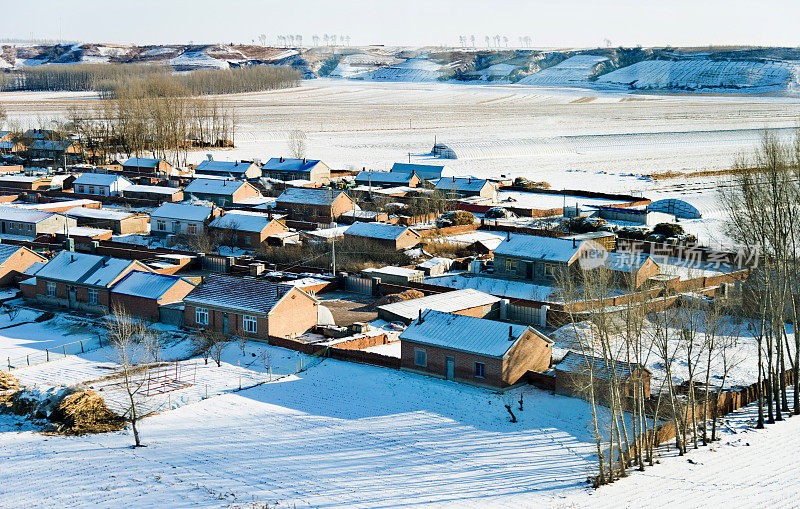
532, 247
242, 220
461, 184
83, 212
99, 179
54, 145
464, 333
138, 188
377, 230
141, 162
214, 186
447, 302
23, 215
424, 171
145, 284
302, 196
182, 211
223, 167
581, 364
289, 165
239, 294
83, 268
7, 251
384, 177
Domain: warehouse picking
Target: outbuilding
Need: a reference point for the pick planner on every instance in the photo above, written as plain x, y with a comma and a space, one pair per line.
389, 236
118, 221
221, 192
142, 294
100, 184
14, 261
245, 229
473, 350
467, 302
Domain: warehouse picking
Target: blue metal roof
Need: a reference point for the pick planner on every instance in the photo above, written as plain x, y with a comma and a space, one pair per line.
289, 165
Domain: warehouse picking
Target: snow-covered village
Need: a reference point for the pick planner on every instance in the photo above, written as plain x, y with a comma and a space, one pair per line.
325, 254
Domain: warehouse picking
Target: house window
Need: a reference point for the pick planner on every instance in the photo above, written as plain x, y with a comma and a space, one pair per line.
247, 240
161, 225
480, 369
420, 357
201, 316
91, 189
550, 270
51, 289
92, 296
249, 324
81, 189
508, 264
192, 229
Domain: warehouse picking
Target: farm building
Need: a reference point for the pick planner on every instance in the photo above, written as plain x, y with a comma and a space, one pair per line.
9, 169
395, 275
221, 191
310, 285
79, 280
55, 150
631, 269
154, 193
31, 223
101, 184
118, 221
435, 266
14, 261
287, 169
461, 302
385, 235
179, 218
536, 258
147, 165
679, 208
576, 371
245, 229
249, 307
24, 182
142, 294
424, 171
473, 350
228, 169
387, 179
363, 216
631, 215
314, 205
467, 186
9, 147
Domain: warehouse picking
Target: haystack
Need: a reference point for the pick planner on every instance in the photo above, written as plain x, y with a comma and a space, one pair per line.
8, 382
85, 412
397, 297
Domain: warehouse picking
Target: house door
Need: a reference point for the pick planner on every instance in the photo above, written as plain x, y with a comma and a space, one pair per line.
176, 227
225, 323
451, 367
72, 296
529, 270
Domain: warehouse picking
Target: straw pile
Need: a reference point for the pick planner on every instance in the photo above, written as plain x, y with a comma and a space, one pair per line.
85, 412
397, 297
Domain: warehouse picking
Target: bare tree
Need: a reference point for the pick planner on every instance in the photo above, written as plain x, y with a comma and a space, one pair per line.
297, 144
134, 349
218, 343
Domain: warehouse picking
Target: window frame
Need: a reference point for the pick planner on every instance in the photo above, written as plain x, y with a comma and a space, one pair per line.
92, 296
424, 357
247, 322
201, 316
51, 286
480, 369
550, 270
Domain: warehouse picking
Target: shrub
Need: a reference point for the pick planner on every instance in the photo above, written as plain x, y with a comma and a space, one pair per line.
668, 229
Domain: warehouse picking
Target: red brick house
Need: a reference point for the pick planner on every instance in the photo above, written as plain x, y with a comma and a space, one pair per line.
142, 294
79, 280
473, 350
14, 260
247, 230
314, 205
250, 308
389, 236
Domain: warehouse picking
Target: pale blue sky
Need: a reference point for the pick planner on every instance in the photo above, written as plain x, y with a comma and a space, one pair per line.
408, 22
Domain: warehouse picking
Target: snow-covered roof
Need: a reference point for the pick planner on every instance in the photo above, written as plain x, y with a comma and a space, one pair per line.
533, 247
83, 268
464, 333
99, 179
447, 302
85, 231
242, 220
625, 262
384, 177
461, 184
23, 215
214, 186
149, 285
55, 145
395, 271
138, 188
508, 288
362, 214
581, 364
289, 165
234, 168
21, 178
305, 282
377, 230
141, 162
182, 211
435, 262
424, 171
240, 294
303, 196
83, 212
328, 233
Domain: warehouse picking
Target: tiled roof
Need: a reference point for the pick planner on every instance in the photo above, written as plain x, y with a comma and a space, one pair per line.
83, 268
384, 177
239, 294
302, 196
463, 333
138, 188
289, 165
581, 364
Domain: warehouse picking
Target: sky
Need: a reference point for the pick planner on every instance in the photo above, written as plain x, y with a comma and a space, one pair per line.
549, 23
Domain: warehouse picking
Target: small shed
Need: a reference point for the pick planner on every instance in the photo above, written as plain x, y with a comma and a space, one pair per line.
577, 372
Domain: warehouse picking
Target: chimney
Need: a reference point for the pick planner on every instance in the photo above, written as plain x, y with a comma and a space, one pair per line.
508, 235
574, 243
281, 159
511, 333
304, 160
420, 316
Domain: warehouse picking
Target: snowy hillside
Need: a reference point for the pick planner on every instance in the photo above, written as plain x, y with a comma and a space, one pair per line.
574, 70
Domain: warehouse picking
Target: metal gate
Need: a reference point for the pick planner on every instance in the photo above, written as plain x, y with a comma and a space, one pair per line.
524, 314
358, 285
217, 263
